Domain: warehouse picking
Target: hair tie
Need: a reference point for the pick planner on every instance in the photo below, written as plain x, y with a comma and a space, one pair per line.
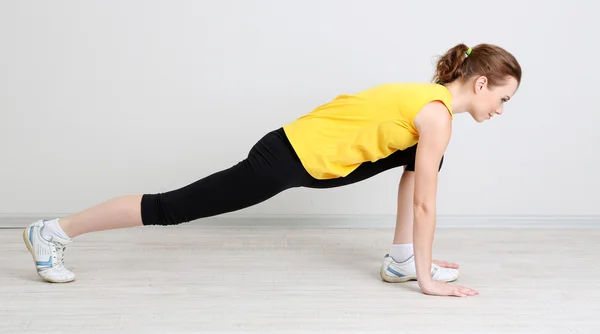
469, 51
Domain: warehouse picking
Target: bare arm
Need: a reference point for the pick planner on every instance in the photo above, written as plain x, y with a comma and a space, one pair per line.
434, 124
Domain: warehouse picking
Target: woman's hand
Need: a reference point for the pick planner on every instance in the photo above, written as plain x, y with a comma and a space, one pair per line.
438, 288
445, 264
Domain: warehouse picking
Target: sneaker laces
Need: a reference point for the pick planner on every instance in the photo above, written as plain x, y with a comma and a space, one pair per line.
60, 255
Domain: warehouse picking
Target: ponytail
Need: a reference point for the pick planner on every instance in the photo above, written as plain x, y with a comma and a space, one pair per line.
449, 66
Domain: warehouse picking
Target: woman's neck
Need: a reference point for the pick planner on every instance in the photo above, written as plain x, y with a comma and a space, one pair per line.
460, 96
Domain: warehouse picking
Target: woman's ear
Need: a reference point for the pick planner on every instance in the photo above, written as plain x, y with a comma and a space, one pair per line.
480, 82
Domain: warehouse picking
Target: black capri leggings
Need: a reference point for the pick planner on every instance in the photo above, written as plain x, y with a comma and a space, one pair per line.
271, 167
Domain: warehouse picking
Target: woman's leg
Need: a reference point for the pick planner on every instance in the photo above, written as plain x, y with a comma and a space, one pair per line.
270, 168
120, 212
398, 264
404, 268
403, 233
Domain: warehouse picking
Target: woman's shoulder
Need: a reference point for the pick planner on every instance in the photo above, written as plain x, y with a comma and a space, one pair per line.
409, 93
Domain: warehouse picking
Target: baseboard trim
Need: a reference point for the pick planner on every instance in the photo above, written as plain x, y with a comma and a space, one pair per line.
9, 221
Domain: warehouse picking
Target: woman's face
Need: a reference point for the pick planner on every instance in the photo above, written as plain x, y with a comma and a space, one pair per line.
489, 101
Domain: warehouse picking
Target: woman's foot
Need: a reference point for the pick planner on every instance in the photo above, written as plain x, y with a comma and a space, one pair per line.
398, 272
47, 254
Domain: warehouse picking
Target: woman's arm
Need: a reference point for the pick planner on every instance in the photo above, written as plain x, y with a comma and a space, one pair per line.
434, 124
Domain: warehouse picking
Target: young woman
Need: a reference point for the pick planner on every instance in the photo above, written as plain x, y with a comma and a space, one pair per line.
349, 139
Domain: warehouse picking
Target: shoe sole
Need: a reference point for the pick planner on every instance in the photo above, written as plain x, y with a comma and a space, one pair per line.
30, 248
396, 279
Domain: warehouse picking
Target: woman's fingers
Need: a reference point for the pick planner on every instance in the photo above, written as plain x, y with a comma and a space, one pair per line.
468, 292
445, 264
461, 291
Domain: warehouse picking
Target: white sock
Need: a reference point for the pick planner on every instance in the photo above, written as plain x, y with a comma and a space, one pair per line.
401, 252
51, 228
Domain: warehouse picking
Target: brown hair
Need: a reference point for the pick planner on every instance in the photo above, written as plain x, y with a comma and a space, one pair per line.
488, 60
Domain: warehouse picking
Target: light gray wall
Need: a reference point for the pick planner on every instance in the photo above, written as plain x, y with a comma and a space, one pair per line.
104, 98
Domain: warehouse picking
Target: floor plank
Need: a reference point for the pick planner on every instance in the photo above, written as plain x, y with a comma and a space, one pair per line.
190, 279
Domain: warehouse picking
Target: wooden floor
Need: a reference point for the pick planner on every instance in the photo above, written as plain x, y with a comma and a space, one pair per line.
191, 279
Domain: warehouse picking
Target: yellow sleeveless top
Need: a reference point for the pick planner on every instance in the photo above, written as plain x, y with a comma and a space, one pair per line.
336, 137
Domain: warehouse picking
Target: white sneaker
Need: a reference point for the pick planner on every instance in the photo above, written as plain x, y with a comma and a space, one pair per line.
397, 272
47, 255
